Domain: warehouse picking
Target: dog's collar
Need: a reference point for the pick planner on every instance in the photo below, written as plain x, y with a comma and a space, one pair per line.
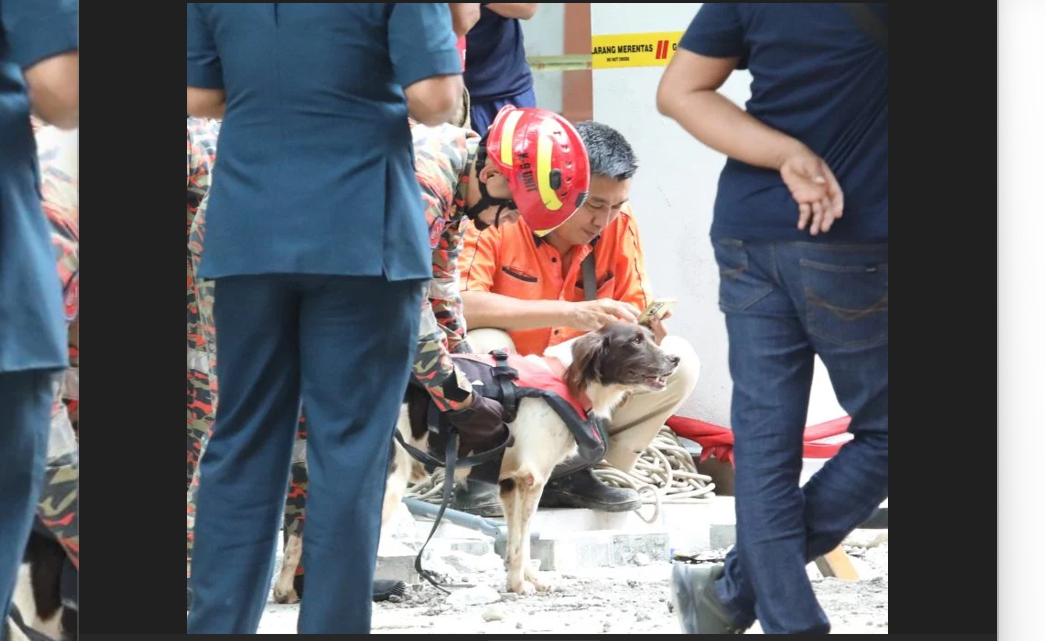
558, 369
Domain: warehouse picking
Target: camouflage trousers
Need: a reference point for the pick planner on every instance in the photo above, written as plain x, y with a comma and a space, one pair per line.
200, 406
58, 506
294, 510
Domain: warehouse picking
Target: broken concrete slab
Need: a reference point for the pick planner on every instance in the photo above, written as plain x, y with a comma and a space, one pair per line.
566, 551
466, 563
723, 536
401, 527
395, 561
641, 549
474, 547
863, 538
479, 595
692, 527
688, 524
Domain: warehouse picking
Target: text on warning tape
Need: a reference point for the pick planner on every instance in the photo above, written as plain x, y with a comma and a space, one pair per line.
633, 49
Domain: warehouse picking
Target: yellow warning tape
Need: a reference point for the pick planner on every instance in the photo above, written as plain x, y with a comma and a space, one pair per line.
568, 62
634, 49
615, 51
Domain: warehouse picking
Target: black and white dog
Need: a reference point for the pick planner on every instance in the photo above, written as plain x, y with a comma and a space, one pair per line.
604, 365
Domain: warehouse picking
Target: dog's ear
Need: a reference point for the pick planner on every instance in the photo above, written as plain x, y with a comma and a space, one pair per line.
587, 358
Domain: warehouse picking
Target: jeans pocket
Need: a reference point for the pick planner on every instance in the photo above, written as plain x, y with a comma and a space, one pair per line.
847, 305
738, 289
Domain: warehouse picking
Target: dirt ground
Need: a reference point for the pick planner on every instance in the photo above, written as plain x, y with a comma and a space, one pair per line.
622, 600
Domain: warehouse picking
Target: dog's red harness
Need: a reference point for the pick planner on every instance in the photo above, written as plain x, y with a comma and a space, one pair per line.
531, 375
509, 377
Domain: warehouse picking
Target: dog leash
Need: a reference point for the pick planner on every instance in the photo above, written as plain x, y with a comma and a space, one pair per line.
451, 464
448, 487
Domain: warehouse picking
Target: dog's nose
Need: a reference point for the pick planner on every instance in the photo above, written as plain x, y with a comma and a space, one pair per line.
674, 359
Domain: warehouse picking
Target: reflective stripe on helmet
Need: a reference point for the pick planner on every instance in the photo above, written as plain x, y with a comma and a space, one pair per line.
508, 135
544, 169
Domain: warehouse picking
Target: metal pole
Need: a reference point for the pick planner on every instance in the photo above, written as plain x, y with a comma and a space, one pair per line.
496, 529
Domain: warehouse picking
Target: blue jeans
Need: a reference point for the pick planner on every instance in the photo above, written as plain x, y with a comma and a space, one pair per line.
786, 302
483, 112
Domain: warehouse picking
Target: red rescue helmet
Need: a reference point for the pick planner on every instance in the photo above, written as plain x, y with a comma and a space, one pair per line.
545, 162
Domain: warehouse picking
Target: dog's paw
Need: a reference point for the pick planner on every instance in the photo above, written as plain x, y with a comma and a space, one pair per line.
285, 594
540, 585
521, 586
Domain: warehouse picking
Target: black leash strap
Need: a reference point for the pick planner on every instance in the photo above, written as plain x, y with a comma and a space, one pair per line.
420, 455
448, 492
471, 461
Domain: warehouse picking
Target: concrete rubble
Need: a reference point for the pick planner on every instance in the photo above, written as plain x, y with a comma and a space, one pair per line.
623, 592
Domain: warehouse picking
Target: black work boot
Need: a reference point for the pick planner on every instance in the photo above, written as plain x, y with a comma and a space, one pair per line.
383, 589
480, 499
583, 490
697, 604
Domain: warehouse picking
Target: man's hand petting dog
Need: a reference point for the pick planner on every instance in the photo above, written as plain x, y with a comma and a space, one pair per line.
593, 314
656, 325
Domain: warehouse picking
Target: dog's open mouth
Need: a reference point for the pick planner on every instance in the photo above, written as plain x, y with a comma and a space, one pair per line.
656, 382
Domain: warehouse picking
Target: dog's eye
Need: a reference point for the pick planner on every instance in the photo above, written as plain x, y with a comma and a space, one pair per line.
638, 339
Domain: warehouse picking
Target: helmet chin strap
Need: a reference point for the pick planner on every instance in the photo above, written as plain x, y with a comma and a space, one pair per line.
485, 202
485, 199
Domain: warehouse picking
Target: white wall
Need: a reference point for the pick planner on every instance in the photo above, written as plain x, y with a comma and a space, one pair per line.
673, 194
543, 36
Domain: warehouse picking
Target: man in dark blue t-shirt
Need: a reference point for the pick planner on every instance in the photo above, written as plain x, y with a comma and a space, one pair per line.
800, 233
497, 74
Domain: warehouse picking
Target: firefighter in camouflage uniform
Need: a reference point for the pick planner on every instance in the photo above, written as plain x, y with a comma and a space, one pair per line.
201, 144
57, 510
201, 148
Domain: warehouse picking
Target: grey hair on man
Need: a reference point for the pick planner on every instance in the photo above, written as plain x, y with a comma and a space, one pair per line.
609, 153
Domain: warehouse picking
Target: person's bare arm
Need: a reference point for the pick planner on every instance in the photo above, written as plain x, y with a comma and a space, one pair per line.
486, 309
205, 103
434, 101
54, 89
465, 15
520, 10
688, 94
